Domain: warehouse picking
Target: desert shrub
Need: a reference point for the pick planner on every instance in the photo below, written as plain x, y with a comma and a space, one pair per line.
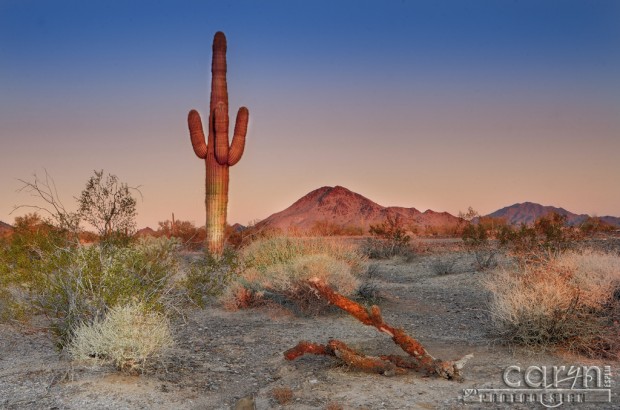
444, 264
11, 305
277, 270
92, 280
571, 300
368, 291
327, 228
477, 242
128, 336
190, 236
276, 250
26, 258
548, 237
108, 205
389, 239
287, 284
209, 275
282, 395
594, 225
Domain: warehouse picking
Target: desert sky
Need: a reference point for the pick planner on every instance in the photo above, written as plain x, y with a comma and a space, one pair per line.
426, 104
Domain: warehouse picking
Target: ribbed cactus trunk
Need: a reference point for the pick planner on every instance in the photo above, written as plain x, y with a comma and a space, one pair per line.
216, 152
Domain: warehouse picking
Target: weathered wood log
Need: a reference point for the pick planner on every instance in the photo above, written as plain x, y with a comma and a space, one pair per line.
419, 358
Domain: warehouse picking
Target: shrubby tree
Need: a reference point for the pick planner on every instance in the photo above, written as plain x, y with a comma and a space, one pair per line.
389, 239
44, 189
478, 233
548, 236
108, 205
191, 237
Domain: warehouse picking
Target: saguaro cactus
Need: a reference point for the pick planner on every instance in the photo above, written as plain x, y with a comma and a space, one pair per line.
216, 152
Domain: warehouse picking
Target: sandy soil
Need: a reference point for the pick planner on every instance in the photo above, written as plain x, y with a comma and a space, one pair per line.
223, 357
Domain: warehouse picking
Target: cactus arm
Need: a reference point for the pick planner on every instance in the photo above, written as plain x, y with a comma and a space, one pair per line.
220, 123
196, 134
238, 142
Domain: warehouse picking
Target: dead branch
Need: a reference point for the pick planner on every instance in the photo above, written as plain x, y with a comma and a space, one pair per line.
419, 358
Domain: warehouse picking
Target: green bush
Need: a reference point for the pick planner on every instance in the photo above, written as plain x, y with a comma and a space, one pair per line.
98, 278
477, 242
389, 239
209, 275
548, 237
73, 285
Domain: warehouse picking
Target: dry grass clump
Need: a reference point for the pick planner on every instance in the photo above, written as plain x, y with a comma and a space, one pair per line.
444, 264
127, 337
571, 301
282, 395
278, 270
265, 253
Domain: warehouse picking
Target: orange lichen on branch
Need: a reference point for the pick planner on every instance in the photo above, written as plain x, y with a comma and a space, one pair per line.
344, 303
304, 347
419, 358
364, 363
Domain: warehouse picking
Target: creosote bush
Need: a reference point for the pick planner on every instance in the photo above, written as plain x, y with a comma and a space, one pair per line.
388, 239
548, 237
569, 301
86, 282
128, 337
277, 270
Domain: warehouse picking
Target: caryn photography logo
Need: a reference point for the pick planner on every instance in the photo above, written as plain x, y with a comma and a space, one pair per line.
551, 386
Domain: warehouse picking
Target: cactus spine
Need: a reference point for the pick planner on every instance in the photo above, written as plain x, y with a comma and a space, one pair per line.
216, 152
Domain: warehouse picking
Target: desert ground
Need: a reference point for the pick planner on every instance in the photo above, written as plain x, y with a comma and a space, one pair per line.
227, 360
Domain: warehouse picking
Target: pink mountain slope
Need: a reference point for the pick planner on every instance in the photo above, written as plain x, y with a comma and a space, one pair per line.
343, 207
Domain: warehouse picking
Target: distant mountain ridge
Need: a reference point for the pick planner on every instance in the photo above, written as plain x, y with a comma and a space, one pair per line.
340, 206
5, 228
528, 212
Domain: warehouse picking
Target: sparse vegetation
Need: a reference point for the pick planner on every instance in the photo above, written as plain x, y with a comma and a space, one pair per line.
478, 234
45, 273
87, 282
275, 250
191, 237
548, 237
389, 239
570, 301
444, 264
327, 228
107, 204
278, 269
209, 275
282, 395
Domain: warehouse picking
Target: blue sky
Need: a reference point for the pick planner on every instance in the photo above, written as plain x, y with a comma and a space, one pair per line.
429, 104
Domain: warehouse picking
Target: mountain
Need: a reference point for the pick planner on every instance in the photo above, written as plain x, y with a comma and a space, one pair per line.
612, 220
5, 229
340, 206
528, 212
